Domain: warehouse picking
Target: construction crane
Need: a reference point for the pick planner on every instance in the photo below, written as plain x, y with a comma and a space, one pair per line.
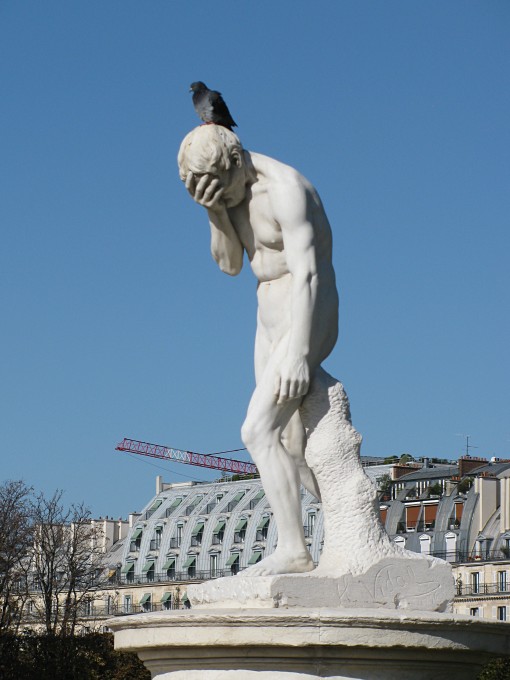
187, 457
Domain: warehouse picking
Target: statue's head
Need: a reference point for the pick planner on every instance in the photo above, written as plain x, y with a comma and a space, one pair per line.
214, 150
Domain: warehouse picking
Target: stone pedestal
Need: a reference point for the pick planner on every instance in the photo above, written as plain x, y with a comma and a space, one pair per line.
299, 644
408, 582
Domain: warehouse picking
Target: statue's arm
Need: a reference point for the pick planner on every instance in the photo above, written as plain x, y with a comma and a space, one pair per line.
291, 208
226, 247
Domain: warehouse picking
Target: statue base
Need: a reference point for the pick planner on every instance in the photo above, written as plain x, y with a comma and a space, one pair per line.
410, 582
308, 644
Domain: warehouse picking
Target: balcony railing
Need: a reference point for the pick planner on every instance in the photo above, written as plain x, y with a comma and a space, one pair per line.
175, 542
155, 543
149, 607
482, 589
171, 577
411, 527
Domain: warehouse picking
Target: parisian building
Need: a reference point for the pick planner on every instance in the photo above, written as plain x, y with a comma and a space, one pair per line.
190, 532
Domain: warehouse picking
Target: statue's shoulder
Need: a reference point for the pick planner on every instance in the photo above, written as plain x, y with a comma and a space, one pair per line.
277, 173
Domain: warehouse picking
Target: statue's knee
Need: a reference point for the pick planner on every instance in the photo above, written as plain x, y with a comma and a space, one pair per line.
255, 437
248, 434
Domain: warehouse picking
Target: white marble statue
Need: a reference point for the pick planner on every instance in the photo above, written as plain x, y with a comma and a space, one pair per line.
268, 210
298, 427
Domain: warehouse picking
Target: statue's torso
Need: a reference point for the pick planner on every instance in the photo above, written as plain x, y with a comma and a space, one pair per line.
264, 241
259, 231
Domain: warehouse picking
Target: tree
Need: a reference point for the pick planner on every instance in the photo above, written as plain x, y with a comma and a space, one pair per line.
65, 562
384, 482
498, 669
49, 657
465, 485
16, 538
436, 489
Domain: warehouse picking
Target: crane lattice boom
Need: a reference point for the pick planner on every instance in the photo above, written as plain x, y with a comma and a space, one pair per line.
187, 457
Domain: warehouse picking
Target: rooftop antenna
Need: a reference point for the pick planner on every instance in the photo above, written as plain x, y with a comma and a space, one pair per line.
468, 445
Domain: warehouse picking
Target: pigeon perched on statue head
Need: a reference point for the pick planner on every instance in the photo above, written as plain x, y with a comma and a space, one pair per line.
210, 106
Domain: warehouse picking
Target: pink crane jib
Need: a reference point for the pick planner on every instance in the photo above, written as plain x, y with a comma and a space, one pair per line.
187, 457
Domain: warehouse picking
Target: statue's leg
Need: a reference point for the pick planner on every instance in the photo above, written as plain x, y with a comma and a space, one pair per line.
294, 441
262, 431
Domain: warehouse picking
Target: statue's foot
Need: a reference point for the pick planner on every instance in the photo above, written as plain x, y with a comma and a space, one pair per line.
281, 562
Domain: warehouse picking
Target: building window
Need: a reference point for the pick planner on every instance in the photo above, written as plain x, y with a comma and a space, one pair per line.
213, 564
175, 504
153, 508
262, 528
240, 531
148, 570
502, 581
136, 540
166, 601
233, 563
128, 571
256, 557
190, 565
475, 582
169, 567
146, 603
474, 611
176, 540
501, 613
219, 532
197, 534
127, 604
156, 541
310, 524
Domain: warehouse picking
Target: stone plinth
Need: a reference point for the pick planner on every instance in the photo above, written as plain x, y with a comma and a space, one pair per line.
308, 644
407, 583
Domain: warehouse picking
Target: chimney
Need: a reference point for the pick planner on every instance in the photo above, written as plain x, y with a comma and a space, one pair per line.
469, 463
397, 470
133, 516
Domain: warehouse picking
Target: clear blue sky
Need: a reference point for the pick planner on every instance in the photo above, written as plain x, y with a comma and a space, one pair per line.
115, 320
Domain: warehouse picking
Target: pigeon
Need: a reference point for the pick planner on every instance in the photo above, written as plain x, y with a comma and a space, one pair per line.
210, 106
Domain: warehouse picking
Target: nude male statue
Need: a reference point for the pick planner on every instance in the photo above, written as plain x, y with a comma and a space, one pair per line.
260, 206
